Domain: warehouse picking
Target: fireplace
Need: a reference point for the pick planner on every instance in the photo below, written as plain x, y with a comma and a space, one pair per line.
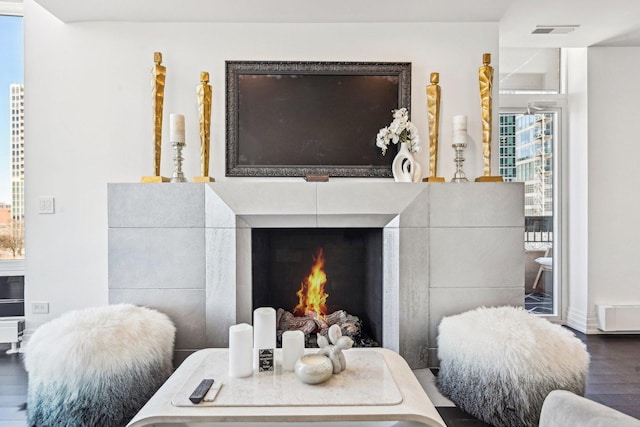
315, 277
186, 250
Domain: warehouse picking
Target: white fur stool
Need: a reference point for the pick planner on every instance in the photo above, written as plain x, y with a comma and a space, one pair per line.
97, 366
499, 364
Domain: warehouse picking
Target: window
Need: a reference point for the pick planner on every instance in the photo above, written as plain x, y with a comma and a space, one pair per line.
11, 137
534, 70
532, 101
11, 161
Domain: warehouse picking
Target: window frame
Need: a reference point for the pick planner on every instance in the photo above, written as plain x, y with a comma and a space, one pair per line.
12, 8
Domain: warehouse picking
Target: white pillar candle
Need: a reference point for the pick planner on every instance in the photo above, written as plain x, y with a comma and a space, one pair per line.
460, 122
240, 350
292, 349
176, 127
264, 331
459, 129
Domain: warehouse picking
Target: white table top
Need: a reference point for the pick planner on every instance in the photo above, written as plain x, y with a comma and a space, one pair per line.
382, 391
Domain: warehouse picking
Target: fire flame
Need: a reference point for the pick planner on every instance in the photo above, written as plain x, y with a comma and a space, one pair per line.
311, 295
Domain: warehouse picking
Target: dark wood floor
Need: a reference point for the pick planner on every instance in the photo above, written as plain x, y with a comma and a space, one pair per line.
614, 371
613, 380
13, 389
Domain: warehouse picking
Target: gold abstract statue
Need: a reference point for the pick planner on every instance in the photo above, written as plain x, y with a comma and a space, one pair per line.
433, 111
204, 92
158, 76
485, 77
157, 90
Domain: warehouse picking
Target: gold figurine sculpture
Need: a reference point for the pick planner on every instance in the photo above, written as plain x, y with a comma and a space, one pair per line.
433, 111
158, 76
204, 92
485, 76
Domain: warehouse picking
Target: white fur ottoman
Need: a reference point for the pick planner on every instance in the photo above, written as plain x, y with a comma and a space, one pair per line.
97, 366
499, 364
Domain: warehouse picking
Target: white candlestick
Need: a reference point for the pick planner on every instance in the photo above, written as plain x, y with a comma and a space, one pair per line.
240, 350
292, 349
264, 330
176, 127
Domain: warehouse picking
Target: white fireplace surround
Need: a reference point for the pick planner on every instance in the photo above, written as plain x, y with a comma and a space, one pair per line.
186, 249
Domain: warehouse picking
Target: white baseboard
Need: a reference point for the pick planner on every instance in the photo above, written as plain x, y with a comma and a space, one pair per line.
587, 323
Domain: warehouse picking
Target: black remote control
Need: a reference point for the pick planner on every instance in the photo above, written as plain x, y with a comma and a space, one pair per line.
200, 391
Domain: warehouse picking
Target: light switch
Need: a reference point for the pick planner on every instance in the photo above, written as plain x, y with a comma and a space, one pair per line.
46, 205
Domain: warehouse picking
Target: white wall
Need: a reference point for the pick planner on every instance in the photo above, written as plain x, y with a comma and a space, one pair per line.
89, 117
604, 199
614, 199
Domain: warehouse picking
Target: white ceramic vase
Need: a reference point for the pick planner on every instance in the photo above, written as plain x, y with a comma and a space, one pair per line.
405, 167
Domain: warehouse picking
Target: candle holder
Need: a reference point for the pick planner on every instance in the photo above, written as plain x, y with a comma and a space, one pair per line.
178, 176
459, 175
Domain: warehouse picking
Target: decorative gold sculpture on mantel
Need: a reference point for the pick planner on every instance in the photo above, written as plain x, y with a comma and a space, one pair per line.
433, 111
485, 76
205, 94
158, 76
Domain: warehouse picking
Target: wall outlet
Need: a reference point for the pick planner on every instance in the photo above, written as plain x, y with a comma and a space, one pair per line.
39, 308
46, 205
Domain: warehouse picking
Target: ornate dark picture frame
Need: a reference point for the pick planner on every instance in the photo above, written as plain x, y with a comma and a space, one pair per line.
294, 119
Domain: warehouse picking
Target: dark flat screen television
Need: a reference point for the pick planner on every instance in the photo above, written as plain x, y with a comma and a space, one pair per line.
311, 118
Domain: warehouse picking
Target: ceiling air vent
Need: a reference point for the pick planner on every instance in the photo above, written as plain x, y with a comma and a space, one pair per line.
554, 29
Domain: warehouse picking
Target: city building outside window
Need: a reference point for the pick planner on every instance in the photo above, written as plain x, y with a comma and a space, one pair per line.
11, 138
526, 156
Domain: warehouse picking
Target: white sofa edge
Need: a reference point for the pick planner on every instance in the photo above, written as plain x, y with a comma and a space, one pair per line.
562, 408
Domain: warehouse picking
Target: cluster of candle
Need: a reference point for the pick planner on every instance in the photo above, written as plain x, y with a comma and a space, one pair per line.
248, 345
460, 129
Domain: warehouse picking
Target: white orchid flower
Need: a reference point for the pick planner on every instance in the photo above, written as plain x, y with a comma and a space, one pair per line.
400, 130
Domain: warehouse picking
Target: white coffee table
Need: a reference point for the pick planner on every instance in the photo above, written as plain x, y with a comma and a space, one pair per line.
377, 389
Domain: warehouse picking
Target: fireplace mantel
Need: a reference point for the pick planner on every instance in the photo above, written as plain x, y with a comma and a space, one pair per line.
185, 249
